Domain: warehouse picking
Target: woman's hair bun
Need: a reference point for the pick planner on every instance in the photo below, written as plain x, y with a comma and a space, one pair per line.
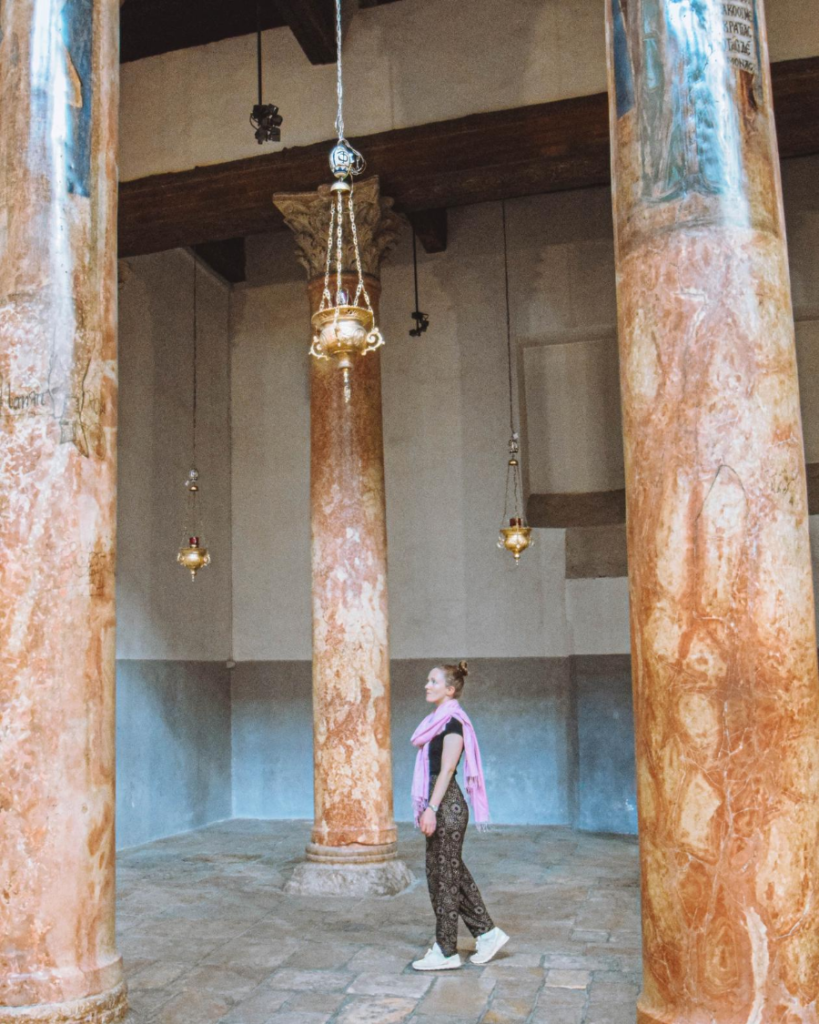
463, 668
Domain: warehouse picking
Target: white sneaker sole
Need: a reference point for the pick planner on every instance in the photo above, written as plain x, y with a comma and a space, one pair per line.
498, 945
440, 967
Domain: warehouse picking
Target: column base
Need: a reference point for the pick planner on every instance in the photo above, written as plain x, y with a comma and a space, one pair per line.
651, 1015
105, 1008
350, 871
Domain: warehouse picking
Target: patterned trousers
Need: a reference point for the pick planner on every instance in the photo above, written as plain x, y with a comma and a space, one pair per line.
452, 888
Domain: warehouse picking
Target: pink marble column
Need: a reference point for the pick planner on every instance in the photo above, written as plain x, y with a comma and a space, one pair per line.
59, 73
353, 847
722, 610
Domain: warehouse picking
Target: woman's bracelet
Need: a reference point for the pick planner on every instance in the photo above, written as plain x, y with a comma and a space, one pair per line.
432, 807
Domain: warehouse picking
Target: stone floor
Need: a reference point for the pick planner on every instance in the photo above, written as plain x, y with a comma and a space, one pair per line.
208, 936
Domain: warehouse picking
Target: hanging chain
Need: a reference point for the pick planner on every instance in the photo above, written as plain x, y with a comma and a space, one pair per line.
339, 245
361, 289
339, 81
513, 466
326, 297
195, 348
508, 317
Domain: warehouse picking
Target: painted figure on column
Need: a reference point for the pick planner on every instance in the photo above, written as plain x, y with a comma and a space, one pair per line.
726, 687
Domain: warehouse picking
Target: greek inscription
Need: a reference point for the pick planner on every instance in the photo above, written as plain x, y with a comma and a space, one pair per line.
740, 39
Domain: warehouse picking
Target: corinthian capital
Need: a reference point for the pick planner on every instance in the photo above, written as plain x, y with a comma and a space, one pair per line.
307, 214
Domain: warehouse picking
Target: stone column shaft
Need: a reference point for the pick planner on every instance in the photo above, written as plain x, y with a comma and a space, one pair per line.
353, 847
59, 74
722, 611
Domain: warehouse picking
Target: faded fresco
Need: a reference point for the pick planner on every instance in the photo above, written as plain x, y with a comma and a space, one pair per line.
76, 25
686, 64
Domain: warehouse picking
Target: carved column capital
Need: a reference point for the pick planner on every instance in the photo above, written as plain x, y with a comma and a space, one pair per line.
307, 214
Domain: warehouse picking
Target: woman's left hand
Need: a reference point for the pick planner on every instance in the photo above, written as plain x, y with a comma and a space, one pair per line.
428, 822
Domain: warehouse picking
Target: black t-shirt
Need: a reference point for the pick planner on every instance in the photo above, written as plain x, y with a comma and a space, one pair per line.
436, 745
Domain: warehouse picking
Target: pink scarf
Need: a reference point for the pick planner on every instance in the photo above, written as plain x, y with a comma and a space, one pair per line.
433, 725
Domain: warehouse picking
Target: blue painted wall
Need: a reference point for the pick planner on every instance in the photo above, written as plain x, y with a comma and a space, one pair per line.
197, 743
606, 791
173, 748
531, 715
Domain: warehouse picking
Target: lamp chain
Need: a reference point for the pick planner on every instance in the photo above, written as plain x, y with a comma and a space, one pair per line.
508, 317
326, 297
339, 245
195, 352
339, 81
361, 289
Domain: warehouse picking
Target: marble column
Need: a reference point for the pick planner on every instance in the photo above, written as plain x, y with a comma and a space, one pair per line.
722, 611
353, 844
59, 74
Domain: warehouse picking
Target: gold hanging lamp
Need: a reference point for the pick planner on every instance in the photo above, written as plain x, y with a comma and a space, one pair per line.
193, 554
516, 537
344, 325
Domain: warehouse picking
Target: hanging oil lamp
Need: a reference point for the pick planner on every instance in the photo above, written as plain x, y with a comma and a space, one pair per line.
517, 536
515, 533
193, 554
344, 324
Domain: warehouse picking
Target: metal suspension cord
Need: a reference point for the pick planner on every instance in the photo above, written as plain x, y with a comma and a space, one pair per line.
259, 47
195, 345
508, 318
415, 267
339, 82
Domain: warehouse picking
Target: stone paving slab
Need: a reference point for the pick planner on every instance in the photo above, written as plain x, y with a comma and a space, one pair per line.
209, 937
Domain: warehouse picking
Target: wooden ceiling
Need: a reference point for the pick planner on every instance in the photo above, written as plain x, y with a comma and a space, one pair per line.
151, 27
545, 147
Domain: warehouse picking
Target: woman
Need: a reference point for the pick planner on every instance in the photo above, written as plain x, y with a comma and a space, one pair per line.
442, 815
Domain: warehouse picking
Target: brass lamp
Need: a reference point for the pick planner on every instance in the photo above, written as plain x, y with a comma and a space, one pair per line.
344, 328
193, 555
517, 536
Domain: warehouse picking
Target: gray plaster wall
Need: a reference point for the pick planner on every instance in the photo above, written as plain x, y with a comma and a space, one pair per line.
606, 791
173, 636
536, 718
173, 748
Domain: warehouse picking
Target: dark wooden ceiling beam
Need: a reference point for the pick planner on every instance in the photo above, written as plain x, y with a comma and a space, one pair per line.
431, 229
547, 147
313, 23
151, 27
227, 258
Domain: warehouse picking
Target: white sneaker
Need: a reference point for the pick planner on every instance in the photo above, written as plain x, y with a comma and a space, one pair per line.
436, 961
487, 945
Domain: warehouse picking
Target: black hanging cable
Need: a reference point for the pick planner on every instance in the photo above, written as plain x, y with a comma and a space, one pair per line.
259, 47
421, 319
195, 352
264, 117
508, 317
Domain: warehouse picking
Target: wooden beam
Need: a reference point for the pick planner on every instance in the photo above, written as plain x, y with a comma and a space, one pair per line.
227, 258
560, 511
431, 229
313, 23
547, 147
150, 27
